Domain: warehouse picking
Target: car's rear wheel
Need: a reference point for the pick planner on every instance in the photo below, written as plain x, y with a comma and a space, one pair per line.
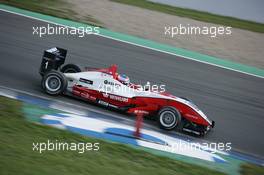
70, 68
169, 118
54, 82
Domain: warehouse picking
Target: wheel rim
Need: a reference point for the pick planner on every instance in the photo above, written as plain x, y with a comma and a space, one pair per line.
53, 83
168, 119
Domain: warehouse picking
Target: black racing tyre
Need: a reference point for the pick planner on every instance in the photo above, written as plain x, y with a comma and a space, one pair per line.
70, 68
54, 83
169, 118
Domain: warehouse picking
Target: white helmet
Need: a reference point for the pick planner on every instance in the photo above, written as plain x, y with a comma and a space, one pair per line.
123, 79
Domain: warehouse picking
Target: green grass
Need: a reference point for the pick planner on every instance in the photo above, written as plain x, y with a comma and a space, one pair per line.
17, 156
197, 15
57, 8
250, 169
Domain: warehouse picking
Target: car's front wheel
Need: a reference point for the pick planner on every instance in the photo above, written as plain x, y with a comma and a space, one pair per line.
169, 118
54, 83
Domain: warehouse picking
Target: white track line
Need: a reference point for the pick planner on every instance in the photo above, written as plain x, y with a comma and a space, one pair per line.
212, 64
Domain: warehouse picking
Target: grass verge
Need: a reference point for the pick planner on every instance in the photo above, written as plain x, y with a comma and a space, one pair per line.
250, 169
197, 15
57, 8
17, 156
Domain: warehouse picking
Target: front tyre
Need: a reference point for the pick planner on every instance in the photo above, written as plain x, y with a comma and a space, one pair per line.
54, 83
70, 68
169, 118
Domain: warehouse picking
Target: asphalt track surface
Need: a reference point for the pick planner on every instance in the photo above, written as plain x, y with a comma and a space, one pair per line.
234, 100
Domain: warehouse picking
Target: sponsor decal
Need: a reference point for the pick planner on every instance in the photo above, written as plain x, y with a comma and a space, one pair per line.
103, 103
113, 106
118, 98
114, 97
111, 83
141, 112
86, 81
191, 116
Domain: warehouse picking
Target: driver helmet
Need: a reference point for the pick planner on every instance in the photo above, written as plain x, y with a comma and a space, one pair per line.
123, 79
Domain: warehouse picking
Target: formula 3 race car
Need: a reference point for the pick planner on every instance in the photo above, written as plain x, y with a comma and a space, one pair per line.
104, 86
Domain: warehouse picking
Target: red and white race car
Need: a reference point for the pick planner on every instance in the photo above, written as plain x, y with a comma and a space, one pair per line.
106, 87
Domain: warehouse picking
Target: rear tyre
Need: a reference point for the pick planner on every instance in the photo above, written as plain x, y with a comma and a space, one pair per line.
169, 118
70, 68
54, 83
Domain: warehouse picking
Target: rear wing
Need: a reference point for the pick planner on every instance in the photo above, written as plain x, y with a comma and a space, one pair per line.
52, 59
